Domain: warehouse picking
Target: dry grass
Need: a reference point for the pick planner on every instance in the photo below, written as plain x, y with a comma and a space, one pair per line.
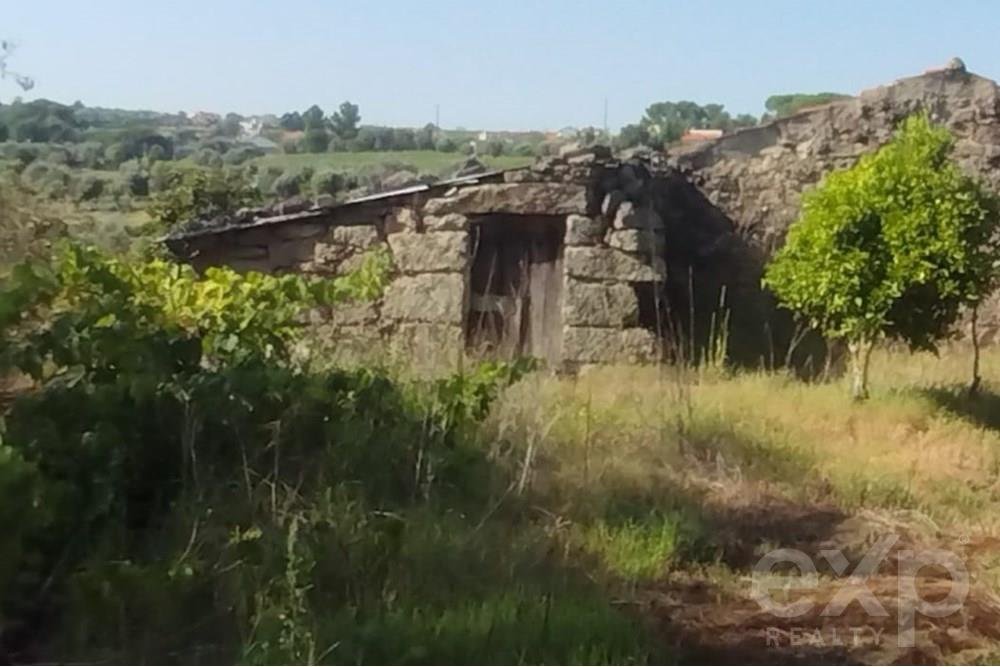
919, 443
659, 474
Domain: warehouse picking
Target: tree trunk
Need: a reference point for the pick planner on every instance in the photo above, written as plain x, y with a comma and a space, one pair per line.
860, 353
974, 385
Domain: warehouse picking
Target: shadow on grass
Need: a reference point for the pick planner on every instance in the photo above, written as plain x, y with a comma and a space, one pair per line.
981, 409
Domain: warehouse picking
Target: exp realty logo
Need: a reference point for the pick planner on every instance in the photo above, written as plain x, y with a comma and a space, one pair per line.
854, 585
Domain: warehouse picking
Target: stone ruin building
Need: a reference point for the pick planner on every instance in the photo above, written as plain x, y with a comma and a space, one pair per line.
592, 258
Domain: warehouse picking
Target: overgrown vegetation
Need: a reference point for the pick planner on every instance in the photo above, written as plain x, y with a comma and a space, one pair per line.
178, 488
892, 247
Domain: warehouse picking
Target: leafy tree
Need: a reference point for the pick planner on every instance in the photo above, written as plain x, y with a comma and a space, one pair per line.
635, 134
40, 121
495, 147
890, 248
365, 141
403, 139
425, 137
292, 122
229, 126
199, 194
786, 105
345, 121
666, 122
313, 118
315, 140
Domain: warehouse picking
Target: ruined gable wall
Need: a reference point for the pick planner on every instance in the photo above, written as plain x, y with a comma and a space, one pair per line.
756, 176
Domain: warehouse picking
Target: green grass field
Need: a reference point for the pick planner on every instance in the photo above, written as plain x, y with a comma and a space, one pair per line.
423, 161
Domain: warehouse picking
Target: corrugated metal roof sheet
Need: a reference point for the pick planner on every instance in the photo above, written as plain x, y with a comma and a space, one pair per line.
320, 211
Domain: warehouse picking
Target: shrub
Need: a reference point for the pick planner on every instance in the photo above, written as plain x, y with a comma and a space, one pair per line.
28, 227
265, 178
207, 157
115, 154
446, 145
328, 182
193, 195
88, 187
337, 145
495, 147
315, 140
524, 149
241, 154
135, 178
156, 152
288, 184
36, 173
89, 154
403, 139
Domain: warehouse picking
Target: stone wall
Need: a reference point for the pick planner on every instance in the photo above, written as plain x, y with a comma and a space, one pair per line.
756, 176
632, 229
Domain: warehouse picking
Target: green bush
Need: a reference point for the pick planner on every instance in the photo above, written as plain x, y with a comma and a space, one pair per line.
265, 177
495, 147
156, 152
446, 145
189, 196
338, 145
89, 154
524, 149
288, 184
241, 154
327, 182
207, 157
135, 178
115, 154
89, 187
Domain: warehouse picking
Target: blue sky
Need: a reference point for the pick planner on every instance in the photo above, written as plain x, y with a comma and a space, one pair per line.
515, 64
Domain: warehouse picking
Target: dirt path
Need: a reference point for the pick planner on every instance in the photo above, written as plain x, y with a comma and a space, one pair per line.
711, 616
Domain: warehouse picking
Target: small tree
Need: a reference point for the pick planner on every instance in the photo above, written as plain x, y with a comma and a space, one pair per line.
345, 121
892, 247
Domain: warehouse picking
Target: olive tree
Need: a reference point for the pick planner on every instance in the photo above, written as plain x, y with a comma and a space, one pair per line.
893, 247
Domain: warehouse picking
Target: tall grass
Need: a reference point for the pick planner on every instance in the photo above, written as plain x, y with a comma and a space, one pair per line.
920, 442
